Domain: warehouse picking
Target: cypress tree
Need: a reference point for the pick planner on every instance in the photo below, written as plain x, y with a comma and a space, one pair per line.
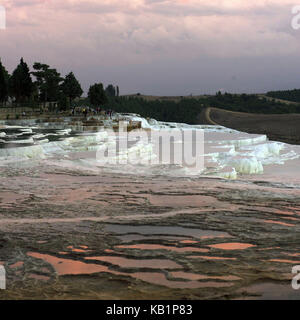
71, 87
97, 94
21, 84
3, 84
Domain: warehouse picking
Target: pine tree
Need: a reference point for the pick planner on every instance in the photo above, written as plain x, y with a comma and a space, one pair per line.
21, 85
110, 90
48, 82
71, 87
3, 84
97, 94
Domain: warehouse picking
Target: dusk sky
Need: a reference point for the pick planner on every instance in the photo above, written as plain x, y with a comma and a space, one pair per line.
160, 47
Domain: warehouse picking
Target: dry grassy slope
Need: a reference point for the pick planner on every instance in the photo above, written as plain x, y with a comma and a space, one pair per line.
279, 127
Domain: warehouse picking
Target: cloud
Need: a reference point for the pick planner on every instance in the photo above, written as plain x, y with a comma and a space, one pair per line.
110, 34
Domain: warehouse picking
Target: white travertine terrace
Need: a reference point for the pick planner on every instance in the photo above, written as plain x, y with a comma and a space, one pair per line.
227, 153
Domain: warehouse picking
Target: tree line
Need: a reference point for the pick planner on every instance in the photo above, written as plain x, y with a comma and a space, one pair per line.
251, 103
290, 95
45, 85
187, 110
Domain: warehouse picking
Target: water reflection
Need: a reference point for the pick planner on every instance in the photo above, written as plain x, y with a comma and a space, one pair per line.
279, 222
68, 266
135, 263
161, 247
232, 246
74, 267
284, 261
83, 250
211, 258
164, 230
17, 265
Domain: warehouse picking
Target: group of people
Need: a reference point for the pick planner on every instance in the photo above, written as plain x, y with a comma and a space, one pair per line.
88, 110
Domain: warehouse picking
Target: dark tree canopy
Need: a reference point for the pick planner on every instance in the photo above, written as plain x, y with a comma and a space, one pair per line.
71, 87
63, 102
50, 87
110, 90
97, 94
47, 81
290, 95
21, 85
4, 78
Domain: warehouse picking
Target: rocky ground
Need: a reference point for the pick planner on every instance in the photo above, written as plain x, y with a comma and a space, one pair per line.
70, 235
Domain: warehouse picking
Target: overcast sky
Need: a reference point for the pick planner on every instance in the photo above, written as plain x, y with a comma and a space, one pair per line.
160, 47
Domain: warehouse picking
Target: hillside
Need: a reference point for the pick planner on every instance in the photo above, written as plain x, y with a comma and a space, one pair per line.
278, 127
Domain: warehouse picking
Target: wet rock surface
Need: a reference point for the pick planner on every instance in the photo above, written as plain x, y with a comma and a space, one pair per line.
69, 235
